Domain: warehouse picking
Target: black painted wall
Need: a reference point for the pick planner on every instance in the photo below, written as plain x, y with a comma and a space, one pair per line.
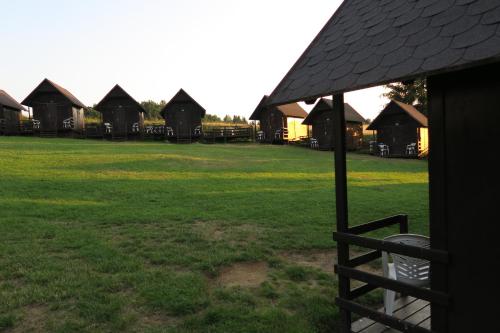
464, 193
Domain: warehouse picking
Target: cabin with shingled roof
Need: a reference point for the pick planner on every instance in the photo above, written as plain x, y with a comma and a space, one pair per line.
56, 111
280, 123
455, 45
183, 118
122, 115
321, 121
402, 129
10, 114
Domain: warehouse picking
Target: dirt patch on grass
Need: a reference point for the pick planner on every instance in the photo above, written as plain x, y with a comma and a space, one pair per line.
323, 260
33, 319
244, 275
148, 321
233, 234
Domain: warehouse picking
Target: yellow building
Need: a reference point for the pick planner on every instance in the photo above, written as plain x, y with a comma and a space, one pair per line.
281, 123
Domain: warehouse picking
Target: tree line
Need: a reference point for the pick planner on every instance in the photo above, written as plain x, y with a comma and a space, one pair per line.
153, 110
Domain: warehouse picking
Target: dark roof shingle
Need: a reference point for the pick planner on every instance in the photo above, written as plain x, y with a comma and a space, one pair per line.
64, 92
293, 110
419, 117
118, 91
183, 97
373, 42
9, 101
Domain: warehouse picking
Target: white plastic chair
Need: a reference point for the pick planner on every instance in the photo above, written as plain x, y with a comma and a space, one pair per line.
108, 127
411, 149
384, 150
68, 123
412, 271
314, 143
278, 135
261, 136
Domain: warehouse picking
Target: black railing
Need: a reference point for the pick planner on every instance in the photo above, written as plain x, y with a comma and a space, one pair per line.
227, 133
346, 299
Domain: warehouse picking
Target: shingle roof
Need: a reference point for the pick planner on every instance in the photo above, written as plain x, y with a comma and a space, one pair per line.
409, 109
118, 91
182, 97
326, 105
372, 42
69, 96
293, 110
9, 101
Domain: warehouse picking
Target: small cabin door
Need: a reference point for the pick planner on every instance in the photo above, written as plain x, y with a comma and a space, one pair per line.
49, 117
183, 124
119, 122
400, 137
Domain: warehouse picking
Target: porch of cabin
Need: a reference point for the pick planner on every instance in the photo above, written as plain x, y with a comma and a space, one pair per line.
409, 309
413, 310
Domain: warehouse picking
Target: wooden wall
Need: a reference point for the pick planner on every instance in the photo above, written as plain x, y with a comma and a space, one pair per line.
464, 195
397, 131
122, 113
11, 119
271, 120
183, 118
51, 109
323, 131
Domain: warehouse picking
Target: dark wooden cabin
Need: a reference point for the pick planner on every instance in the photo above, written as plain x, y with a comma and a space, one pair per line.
455, 45
183, 115
282, 123
10, 114
56, 110
321, 121
122, 115
400, 125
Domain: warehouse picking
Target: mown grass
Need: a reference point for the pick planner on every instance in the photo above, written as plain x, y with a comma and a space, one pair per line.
132, 237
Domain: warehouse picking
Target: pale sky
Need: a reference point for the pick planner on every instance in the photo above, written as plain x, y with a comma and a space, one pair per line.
226, 53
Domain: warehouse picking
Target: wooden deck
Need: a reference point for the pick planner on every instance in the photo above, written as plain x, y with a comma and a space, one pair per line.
412, 310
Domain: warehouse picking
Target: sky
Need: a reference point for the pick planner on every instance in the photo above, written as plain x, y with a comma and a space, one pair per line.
226, 54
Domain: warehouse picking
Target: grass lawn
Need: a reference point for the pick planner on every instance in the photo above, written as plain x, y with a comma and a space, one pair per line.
151, 237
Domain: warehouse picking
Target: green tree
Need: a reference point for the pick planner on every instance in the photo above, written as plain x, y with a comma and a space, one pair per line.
413, 93
91, 112
153, 109
228, 119
212, 118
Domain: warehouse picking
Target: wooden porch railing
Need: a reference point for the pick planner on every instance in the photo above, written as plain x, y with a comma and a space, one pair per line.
346, 300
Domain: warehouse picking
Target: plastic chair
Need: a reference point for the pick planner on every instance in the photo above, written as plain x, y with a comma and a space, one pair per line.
314, 143
197, 130
261, 136
68, 123
384, 150
412, 271
411, 149
277, 135
108, 127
